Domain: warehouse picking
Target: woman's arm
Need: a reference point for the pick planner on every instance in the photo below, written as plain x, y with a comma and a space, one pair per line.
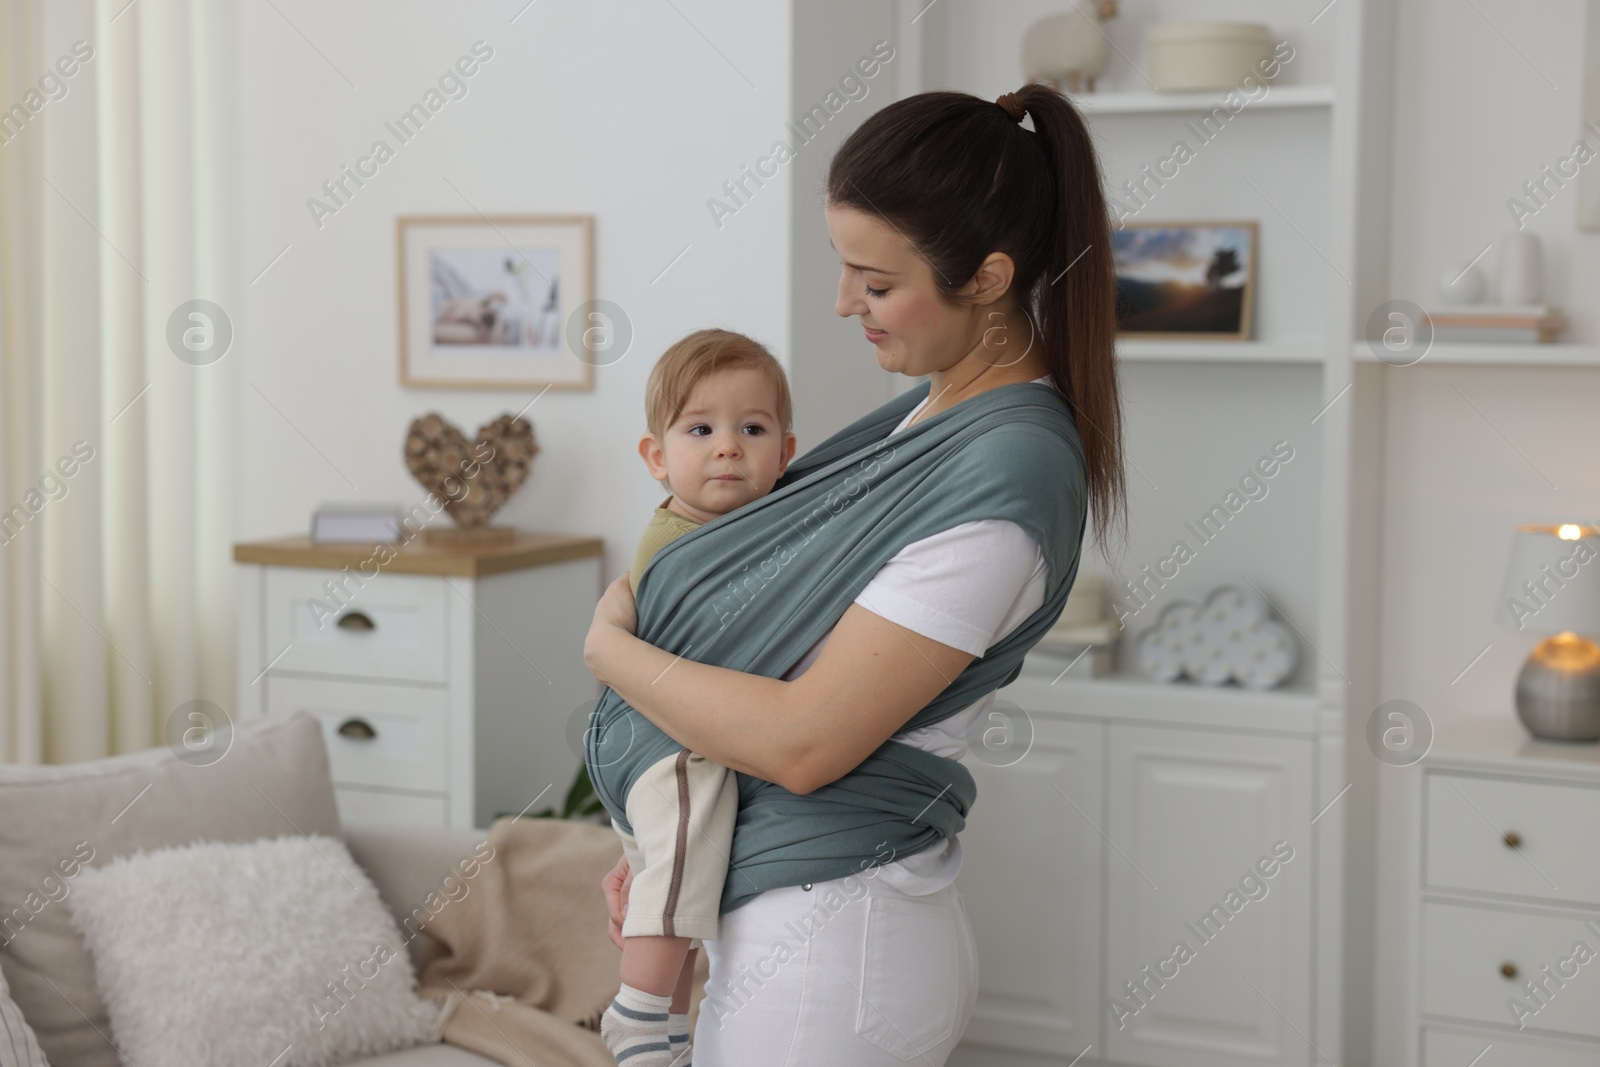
870, 678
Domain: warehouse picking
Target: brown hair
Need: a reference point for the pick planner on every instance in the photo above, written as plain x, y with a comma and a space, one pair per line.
960, 179
698, 356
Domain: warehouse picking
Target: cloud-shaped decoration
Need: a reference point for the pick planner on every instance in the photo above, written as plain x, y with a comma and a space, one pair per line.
1231, 636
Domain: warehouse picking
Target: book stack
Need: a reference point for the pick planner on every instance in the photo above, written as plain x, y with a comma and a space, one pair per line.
1082, 642
1497, 323
367, 523
1085, 650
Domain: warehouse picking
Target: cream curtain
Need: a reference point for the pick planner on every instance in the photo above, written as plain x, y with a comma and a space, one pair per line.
116, 505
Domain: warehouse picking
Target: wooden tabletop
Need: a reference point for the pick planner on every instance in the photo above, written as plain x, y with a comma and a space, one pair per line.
417, 556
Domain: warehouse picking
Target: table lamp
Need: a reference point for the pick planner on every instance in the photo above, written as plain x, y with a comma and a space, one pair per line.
1552, 586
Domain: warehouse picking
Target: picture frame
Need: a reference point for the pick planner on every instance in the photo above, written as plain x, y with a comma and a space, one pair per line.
1186, 281
489, 302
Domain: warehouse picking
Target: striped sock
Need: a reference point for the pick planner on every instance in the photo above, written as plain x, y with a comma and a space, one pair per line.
634, 1028
678, 1038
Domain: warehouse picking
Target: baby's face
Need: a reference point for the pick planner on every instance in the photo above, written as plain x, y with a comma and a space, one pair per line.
726, 448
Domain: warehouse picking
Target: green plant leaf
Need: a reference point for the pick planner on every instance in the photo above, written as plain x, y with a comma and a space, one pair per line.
581, 801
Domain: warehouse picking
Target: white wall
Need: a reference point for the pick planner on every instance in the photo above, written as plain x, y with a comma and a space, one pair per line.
836, 377
633, 113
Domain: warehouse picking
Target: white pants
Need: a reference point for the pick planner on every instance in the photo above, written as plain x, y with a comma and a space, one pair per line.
850, 973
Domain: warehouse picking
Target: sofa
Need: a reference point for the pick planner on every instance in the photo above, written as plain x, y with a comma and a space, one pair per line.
256, 779
404, 863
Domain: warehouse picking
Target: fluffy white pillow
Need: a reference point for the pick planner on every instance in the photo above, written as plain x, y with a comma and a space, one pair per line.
17, 1043
277, 951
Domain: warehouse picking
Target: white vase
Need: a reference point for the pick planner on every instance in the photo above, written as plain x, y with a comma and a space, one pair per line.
1462, 286
1519, 272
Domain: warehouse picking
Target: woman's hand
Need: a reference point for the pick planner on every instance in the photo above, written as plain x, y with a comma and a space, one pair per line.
614, 612
616, 884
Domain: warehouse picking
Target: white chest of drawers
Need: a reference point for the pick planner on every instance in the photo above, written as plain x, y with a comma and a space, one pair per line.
445, 678
1508, 903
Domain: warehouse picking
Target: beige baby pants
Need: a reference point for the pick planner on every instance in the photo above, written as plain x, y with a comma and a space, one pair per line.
682, 810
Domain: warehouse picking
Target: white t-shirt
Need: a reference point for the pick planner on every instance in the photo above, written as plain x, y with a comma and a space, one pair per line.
932, 587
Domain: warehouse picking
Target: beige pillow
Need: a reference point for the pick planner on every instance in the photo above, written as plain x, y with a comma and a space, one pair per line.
276, 951
273, 779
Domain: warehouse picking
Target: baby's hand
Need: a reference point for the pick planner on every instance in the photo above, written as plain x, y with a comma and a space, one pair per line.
616, 607
614, 612
616, 884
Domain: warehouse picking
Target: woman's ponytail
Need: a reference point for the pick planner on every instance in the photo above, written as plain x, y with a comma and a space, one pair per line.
1076, 300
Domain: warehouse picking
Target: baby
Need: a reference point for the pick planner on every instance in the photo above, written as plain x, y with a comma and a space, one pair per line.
719, 415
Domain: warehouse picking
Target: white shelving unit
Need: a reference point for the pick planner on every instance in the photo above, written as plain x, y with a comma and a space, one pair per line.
1308, 351
1557, 354
1153, 103
1133, 698
1138, 805
1194, 782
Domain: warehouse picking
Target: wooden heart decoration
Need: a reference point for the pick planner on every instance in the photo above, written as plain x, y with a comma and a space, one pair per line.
474, 480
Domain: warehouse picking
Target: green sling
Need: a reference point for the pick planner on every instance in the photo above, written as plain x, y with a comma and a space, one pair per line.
754, 589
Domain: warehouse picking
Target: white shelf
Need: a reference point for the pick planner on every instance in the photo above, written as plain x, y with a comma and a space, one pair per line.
1132, 698
1486, 354
1223, 351
1153, 103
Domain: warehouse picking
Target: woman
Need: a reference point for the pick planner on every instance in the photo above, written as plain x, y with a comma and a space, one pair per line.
975, 251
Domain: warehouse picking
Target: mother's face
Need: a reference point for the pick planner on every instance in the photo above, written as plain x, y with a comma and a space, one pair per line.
912, 328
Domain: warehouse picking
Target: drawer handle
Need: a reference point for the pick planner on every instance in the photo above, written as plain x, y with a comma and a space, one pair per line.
1508, 970
1513, 839
356, 620
360, 729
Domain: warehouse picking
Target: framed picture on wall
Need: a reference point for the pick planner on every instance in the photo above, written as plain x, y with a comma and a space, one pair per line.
491, 302
1190, 281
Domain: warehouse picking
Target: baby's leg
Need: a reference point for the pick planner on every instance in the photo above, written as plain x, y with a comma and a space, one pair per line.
668, 906
635, 1027
685, 987
638, 1026
654, 964
678, 1013
682, 809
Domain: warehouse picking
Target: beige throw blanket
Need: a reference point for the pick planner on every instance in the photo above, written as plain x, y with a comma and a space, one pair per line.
522, 964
